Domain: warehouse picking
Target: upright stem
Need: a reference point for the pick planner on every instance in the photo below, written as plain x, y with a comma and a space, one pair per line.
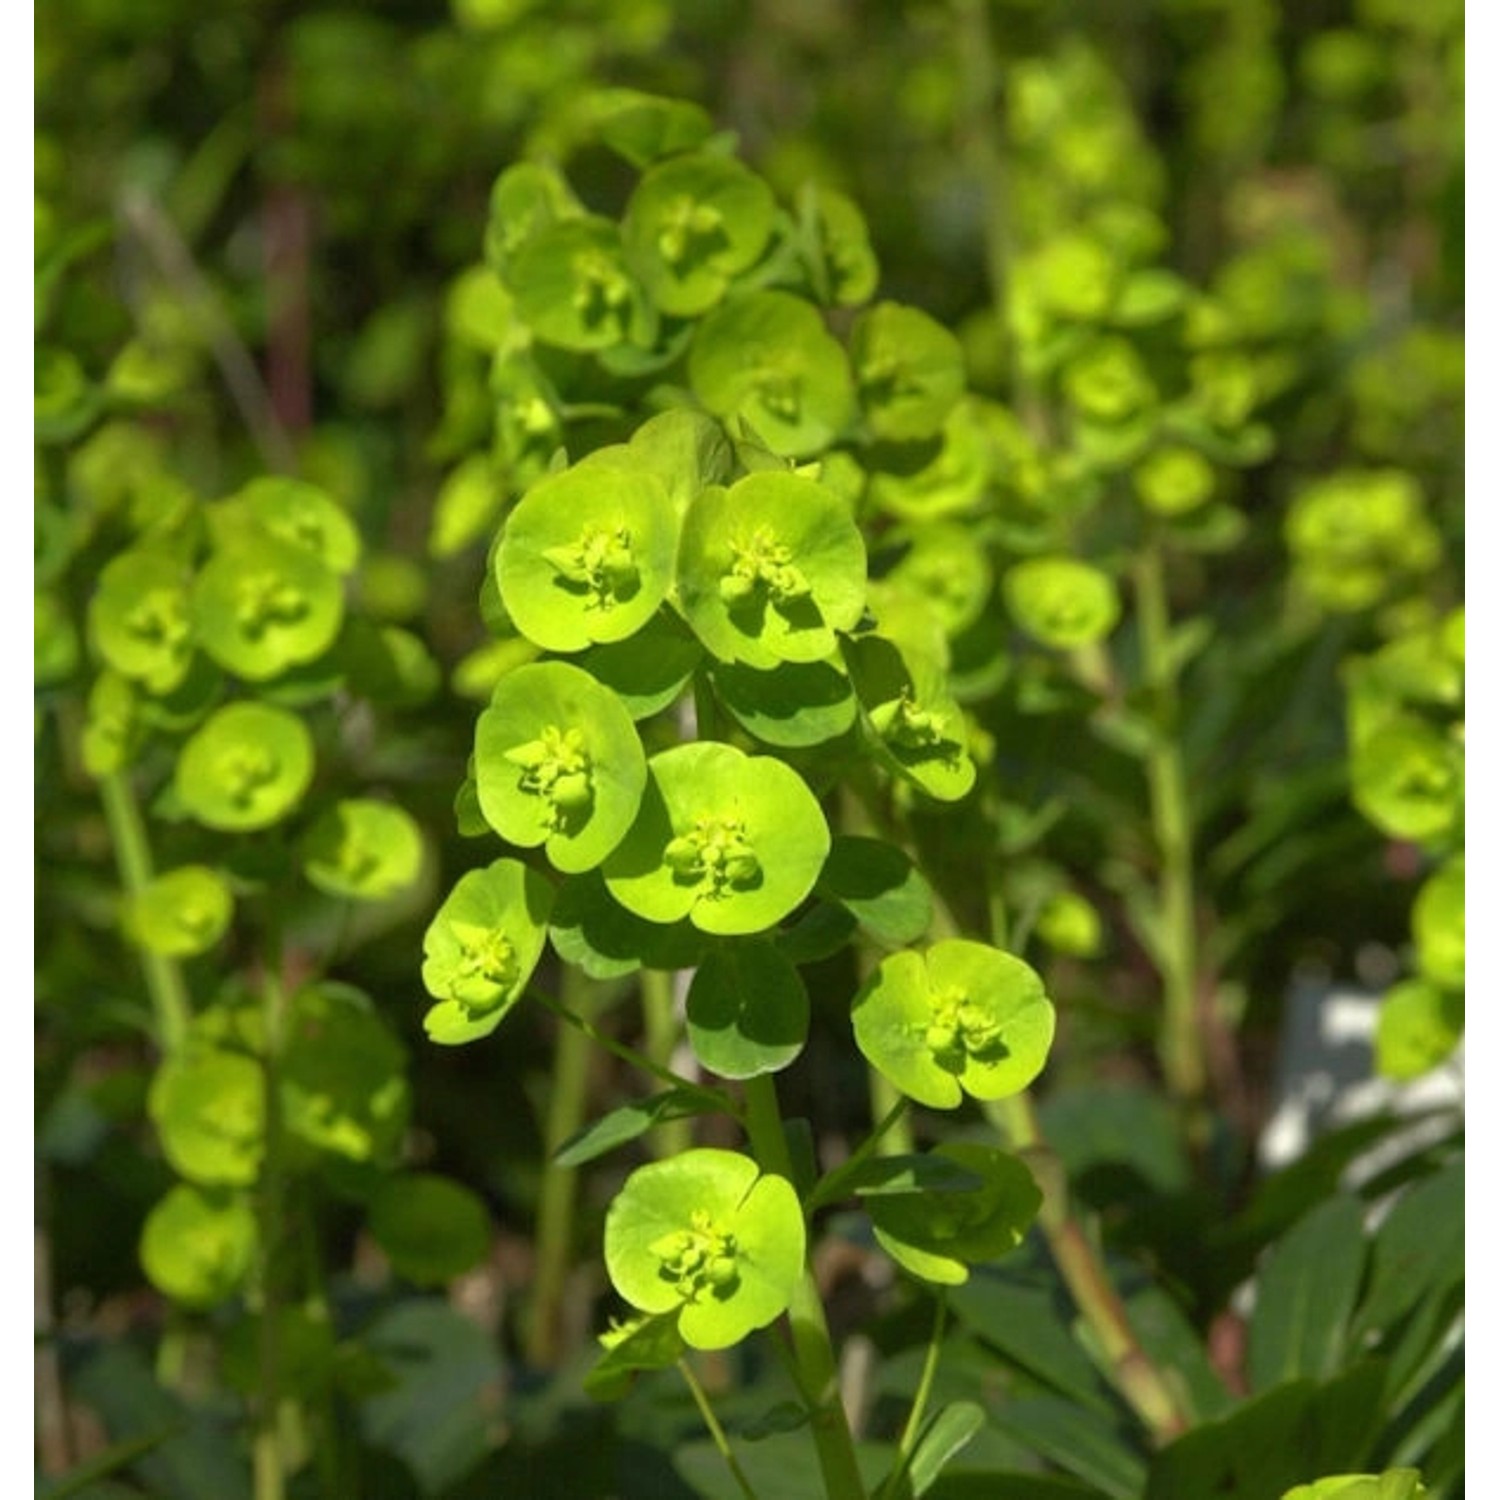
715, 1431
1136, 1377
659, 1012
1181, 1044
127, 831
268, 1460
811, 1343
554, 1232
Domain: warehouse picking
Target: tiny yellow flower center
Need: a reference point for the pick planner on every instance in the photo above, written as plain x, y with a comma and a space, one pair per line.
699, 1260
715, 851
557, 768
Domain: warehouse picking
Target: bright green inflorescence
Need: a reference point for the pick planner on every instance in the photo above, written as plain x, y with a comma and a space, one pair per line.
602, 290
689, 230
600, 564
243, 770
487, 965
699, 1261
916, 731
264, 600
556, 767
960, 1029
763, 568
716, 851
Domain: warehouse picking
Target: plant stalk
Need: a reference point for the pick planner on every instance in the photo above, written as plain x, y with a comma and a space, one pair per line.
659, 1012
812, 1345
555, 1208
715, 1431
268, 1459
127, 831
1135, 1375
1181, 1042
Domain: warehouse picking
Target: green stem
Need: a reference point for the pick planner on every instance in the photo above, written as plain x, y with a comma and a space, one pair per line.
127, 831
268, 1459
715, 1099
1181, 1043
660, 1016
554, 1233
913, 1429
894, 1121
721, 1442
1136, 1377
811, 1342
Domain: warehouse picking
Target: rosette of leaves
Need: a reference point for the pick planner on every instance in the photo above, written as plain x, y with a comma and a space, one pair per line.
586, 555
140, 617
557, 762
769, 569
766, 358
709, 1237
732, 842
961, 1018
917, 727
363, 850
937, 1234
481, 947
262, 605
574, 288
908, 369
181, 912
1061, 602
693, 224
246, 767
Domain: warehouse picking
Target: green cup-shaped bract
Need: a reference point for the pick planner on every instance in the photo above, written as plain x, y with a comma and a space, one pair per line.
769, 569
766, 357
1409, 779
946, 476
731, 841
1394, 1484
557, 761
650, 669
938, 1234
909, 370
798, 705
430, 1227
691, 226
586, 555
209, 1109
140, 618
574, 289
245, 768
1061, 601
948, 573
1419, 1025
961, 1018
1069, 923
180, 912
708, 1235
197, 1247
363, 849
300, 514
481, 947
342, 1074
1437, 921
918, 728
528, 197
1107, 382
1174, 480
839, 231
261, 605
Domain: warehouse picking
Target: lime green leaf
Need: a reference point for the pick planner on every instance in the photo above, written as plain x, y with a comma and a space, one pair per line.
1061, 601
1394, 1484
648, 671
770, 569
1408, 779
767, 358
180, 912
730, 841
586, 556
708, 1236
140, 618
691, 226
299, 514
643, 1343
1438, 925
881, 886
1418, 1028
363, 849
592, 930
246, 768
481, 947
573, 287
645, 127
797, 705
961, 1018
209, 1109
198, 1246
909, 371
621, 1126
841, 243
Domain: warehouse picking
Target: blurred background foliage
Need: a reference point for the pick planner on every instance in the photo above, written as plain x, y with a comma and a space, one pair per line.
252, 224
